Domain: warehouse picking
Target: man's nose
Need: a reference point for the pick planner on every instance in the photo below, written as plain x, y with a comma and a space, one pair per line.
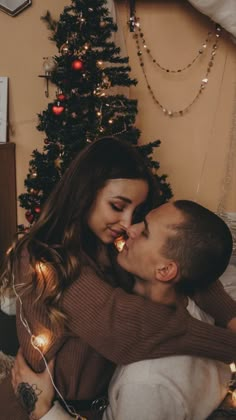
135, 230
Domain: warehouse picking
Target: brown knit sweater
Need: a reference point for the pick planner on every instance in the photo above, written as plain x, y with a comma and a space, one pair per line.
107, 323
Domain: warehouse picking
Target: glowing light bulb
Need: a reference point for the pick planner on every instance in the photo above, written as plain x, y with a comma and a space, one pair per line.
119, 243
40, 341
232, 367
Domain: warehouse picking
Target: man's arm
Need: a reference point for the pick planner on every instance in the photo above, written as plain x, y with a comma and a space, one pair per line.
232, 325
143, 401
56, 413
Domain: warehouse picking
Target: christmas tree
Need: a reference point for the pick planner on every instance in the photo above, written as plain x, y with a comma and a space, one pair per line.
87, 67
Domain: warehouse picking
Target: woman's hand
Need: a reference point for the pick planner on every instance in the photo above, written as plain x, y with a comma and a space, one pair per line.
34, 390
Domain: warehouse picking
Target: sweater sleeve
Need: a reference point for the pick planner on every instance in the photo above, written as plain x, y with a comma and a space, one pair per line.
126, 328
216, 302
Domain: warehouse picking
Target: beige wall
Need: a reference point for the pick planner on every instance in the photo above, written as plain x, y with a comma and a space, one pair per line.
23, 44
195, 147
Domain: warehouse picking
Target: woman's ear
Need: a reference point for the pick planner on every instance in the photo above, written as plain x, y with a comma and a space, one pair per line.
166, 271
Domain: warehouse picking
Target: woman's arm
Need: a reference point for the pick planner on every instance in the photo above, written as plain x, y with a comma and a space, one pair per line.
218, 303
126, 328
34, 391
123, 327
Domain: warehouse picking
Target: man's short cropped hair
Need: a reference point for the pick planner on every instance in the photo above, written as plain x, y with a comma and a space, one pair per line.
201, 245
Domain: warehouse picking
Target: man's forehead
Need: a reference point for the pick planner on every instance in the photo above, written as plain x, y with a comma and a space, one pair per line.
161, 211
165, 215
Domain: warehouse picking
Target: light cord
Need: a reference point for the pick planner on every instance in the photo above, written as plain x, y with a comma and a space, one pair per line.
25, 323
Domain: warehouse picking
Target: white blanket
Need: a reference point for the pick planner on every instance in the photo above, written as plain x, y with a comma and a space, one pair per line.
221, 11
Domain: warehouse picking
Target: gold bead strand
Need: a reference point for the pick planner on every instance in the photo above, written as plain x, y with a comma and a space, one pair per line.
201, 50
203, 84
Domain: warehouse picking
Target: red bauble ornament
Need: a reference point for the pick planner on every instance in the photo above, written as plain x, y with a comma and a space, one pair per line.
61, 97
57, 109
29, 216
77, 65
37, 210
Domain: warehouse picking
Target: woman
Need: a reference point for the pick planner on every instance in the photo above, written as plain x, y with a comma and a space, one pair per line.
91, 324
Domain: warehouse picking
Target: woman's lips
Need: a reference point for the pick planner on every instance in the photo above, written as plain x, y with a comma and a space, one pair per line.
115, 233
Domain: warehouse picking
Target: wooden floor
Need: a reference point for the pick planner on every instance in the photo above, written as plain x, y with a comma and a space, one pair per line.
8, 337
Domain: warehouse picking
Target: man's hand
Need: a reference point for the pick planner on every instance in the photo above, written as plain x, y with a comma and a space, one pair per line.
34, 390
232, 325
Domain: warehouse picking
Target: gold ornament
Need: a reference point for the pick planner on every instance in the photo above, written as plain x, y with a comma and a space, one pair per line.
102, 24
65, 49
58, 162
49, 65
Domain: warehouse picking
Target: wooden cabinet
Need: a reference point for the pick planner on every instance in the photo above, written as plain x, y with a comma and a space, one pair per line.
8, 220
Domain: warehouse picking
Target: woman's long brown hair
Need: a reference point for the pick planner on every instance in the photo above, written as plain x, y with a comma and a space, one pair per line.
61, 239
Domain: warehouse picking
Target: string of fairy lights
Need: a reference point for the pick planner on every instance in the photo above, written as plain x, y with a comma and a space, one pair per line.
41, 342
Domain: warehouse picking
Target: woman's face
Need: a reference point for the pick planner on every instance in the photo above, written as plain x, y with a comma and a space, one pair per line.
112, 211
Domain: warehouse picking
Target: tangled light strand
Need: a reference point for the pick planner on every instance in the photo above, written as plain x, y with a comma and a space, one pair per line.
36, 343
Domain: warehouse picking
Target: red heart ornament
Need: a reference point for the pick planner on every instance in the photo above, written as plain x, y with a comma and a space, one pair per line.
57, 110
61, 97
29, 216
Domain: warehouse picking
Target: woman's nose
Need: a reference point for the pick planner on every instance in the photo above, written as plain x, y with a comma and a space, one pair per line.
126, 220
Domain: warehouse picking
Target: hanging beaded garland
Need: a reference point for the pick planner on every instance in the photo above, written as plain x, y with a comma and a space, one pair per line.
200, 51
140, 42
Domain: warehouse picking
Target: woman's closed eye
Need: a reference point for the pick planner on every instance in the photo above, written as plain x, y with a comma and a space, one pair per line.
116, 207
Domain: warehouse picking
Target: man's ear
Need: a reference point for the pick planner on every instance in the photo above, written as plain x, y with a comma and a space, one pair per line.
166, 271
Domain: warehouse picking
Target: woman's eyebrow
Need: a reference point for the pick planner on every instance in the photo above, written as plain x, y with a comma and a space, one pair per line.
121, 197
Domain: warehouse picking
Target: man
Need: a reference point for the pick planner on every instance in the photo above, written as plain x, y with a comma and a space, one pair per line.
178, 250
181, 248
